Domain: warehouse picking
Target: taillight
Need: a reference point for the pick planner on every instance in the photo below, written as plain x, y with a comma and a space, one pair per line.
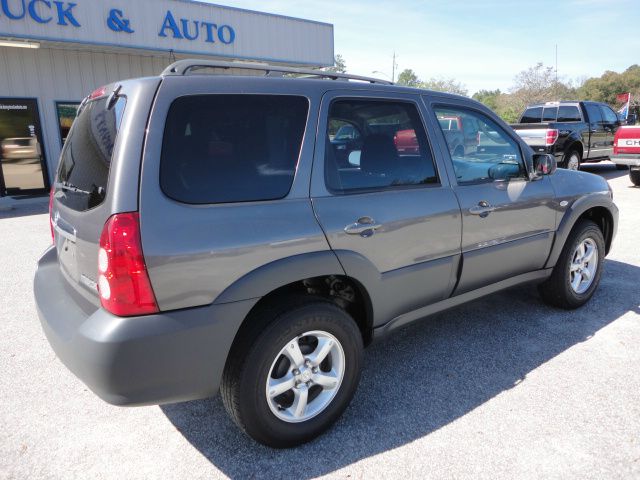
552, 136
97, 93
53, 237
123, 281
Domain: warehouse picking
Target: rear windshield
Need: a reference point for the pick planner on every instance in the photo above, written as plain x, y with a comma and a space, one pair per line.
549, 114
231, 148
532, 115
83, 173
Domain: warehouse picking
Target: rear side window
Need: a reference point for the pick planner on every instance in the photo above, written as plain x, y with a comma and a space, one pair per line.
83, 173
532, 115
568, 113
231, 148
391, 149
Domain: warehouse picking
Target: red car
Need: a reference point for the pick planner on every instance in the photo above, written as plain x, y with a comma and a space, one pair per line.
406, 142
626, 151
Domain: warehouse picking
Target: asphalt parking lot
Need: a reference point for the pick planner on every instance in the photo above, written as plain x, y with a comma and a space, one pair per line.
504, 387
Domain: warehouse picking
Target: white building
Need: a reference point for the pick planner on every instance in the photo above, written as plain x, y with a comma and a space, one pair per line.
54, 53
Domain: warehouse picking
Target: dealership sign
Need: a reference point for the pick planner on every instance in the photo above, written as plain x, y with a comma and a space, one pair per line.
170, 25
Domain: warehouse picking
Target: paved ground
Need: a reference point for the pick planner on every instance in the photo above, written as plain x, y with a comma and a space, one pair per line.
504, 387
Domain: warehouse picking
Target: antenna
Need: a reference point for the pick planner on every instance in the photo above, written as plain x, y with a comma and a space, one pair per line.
556, 84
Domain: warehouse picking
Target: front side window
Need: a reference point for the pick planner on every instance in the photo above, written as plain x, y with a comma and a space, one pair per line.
608, 115
485, 152
231, 148
384, 146
593, 111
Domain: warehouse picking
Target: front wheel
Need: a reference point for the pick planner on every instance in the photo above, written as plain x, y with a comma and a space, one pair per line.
577, 273
634, 176
292, 380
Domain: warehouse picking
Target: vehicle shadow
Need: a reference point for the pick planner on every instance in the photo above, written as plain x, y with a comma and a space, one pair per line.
421, 379
38, 207
607, 170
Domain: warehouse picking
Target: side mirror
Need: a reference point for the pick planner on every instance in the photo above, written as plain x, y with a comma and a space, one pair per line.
544, 164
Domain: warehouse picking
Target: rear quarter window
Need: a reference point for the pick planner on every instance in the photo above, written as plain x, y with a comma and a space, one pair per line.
231, 148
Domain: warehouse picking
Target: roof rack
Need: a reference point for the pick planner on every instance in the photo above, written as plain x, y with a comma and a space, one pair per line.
183, 67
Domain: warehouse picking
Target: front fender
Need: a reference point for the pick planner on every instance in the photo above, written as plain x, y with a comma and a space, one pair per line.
575, 210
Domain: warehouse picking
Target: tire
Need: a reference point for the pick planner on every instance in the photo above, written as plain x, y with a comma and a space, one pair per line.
262, 356
634, 176
571, 160
558, 290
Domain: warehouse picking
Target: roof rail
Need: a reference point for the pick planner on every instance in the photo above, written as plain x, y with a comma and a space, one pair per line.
183, 67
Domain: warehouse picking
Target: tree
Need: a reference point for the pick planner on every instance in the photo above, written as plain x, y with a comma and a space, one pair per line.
488, 97
448, 85
339, 65
606, 87
408, 78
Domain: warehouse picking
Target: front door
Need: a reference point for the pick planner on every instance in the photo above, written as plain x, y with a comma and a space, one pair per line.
507, 220
384, 203
21, 150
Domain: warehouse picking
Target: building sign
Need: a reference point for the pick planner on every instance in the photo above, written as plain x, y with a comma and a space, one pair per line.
170, 25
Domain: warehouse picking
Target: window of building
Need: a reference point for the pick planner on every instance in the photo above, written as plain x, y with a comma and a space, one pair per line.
66, 112
22, 156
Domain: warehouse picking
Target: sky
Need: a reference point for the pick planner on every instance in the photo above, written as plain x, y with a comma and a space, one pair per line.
482, 44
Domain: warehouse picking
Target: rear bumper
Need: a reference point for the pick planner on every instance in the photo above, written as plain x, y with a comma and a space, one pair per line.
167, 357
630, 159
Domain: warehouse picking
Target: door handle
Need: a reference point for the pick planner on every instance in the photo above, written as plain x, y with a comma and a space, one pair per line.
364, 226
483, 209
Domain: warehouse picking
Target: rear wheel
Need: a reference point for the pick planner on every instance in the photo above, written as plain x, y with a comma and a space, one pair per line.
634, 176
571, 160
291, 380
577, 273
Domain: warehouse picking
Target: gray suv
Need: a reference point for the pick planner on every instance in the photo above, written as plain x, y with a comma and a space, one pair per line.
209, 235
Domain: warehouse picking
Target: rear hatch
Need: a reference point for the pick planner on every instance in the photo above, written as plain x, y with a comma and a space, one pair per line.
79, 206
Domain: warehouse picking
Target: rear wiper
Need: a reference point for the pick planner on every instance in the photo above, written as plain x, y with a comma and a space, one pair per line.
72, 188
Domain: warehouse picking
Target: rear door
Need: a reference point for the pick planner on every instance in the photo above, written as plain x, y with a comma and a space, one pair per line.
389, 212
507, 220
598, 134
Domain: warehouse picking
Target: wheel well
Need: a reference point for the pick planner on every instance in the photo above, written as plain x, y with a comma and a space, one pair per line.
577, 147
603, 218
345, 292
